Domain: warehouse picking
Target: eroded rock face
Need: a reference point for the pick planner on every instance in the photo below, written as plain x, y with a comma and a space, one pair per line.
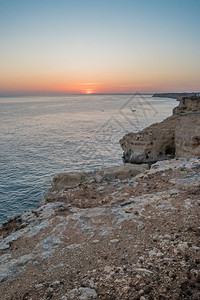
187, 136
187, 105
155, 142
122, 172
73, 179
67, 180
178, 135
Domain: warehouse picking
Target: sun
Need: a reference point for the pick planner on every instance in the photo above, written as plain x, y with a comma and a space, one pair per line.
88, 91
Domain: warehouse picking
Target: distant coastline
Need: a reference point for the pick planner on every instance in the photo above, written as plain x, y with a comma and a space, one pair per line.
177, 96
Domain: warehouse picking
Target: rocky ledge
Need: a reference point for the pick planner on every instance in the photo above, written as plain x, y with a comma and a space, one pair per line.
177, 136
111, 235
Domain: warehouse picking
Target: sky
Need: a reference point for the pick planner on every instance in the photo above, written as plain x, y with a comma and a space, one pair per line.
93, 46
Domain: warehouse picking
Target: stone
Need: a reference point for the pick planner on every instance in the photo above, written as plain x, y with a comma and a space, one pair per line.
67, 180
152, 253
5, 244
82, 293
143, 271
195, 271
123, 171
95, 241
182, 246
114, 241
39, 286
141, 292
160, 254
141, 258
5, 257
100, 188
10, 269
107, 269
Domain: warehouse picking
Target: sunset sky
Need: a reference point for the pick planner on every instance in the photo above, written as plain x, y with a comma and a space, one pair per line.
99, 46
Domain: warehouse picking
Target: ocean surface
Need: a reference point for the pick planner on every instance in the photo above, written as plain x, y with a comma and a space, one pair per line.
42, 136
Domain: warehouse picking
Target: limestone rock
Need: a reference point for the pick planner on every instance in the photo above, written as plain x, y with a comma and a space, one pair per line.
176, 136
122, 171
143, 271
13, 267
83, 293
72, 179
67, 180
155, 142
187, 104
187, 136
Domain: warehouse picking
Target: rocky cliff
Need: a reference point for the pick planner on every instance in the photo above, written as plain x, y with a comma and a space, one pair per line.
188, 104
187, 136
176, 136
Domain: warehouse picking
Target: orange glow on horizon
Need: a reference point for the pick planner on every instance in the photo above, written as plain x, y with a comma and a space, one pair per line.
88, 91
61, 84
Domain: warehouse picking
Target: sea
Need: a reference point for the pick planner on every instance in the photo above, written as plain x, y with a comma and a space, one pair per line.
43, 136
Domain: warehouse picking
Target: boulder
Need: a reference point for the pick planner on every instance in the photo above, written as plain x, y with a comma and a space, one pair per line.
122, 171
67, 180
72, 179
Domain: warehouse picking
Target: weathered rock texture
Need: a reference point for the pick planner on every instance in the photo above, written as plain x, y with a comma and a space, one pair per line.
122, 171
178, 135
187, 136
188, 105
72, 179
67, 180
155, 142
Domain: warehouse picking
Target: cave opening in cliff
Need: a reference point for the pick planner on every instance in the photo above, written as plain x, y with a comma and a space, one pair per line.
196, 141
170, 150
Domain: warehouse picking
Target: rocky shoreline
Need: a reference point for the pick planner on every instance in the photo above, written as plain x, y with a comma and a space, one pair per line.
126, 232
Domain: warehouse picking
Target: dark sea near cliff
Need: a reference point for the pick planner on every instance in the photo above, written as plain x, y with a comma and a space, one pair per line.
42, 136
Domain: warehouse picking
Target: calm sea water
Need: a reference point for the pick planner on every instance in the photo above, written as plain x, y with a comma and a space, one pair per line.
42, 136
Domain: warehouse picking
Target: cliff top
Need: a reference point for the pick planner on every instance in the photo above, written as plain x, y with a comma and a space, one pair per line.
136, 238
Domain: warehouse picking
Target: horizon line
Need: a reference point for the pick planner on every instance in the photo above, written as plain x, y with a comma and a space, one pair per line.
82, 94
